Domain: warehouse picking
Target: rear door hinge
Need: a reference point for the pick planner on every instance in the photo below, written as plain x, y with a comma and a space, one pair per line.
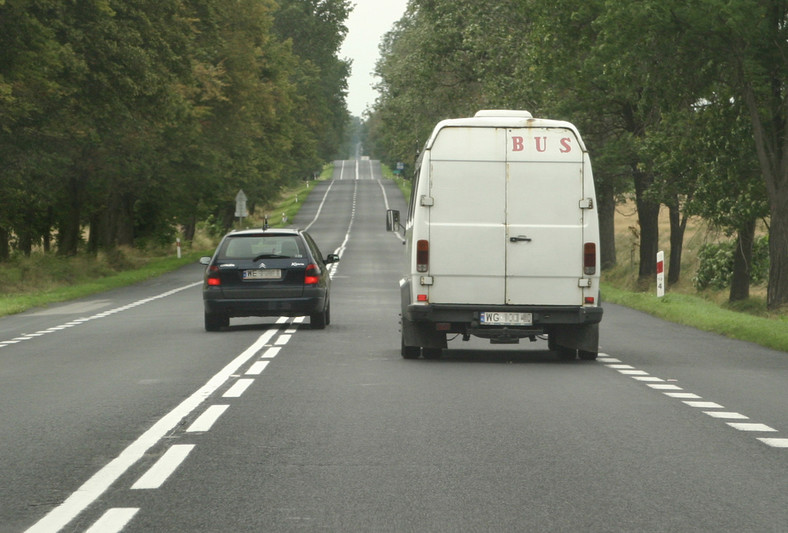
427, 201
584, 282
587, 203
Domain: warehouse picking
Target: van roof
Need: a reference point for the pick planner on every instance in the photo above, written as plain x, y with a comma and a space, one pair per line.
502, 118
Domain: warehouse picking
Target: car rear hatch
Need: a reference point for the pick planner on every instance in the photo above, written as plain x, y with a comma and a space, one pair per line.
262, 266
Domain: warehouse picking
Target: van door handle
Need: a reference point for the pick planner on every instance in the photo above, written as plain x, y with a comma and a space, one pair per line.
520, 238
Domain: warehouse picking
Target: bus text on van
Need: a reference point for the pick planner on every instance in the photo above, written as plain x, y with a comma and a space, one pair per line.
518, 144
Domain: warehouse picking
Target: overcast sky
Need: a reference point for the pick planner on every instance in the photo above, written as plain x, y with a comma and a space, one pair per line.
367, 23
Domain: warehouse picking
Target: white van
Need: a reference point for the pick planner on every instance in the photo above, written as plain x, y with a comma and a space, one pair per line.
502, 237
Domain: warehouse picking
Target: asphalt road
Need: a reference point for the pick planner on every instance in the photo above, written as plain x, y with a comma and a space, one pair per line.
120, 413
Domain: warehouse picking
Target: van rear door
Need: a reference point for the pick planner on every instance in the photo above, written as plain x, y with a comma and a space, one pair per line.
467, 217
544, 221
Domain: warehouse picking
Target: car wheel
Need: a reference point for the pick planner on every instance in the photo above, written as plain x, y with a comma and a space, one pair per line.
319, 320
328, 313
586, 356
214, 322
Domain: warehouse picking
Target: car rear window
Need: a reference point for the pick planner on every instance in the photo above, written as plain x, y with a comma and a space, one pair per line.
262, 246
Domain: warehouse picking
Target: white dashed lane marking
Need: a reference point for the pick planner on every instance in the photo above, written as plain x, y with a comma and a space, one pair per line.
693, 400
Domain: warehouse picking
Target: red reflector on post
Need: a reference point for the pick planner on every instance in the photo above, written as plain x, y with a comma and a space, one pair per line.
589, 258
422, 255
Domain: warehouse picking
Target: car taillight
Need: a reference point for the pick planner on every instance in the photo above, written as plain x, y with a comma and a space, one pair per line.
422, 255
213, 279
312, 275
589, 258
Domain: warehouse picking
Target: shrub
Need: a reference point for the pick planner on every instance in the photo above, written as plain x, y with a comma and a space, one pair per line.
716, 264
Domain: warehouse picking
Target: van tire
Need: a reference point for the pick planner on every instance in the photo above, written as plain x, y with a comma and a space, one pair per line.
586, 356
410, 352
431, 353
567, 354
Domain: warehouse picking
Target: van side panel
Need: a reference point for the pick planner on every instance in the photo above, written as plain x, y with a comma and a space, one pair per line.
467, 219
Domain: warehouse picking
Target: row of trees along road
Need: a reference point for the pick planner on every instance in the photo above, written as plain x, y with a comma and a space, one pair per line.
684, 104
128, 118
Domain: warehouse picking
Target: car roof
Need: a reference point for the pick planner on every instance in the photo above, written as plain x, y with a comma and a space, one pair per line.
269, 231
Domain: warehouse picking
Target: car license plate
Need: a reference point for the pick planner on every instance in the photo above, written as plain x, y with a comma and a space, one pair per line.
497, 318
267, 273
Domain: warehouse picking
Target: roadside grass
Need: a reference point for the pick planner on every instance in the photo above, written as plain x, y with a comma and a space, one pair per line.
43, 279
48, 279
706, 315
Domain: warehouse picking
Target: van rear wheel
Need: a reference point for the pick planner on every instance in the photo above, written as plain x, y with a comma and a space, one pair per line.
586, 356
431, 353
410, 352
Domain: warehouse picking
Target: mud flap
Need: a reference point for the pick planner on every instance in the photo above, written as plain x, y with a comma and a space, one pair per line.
585, 337
422, 334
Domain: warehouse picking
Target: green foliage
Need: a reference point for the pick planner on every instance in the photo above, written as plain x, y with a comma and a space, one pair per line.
122, 119
716, 264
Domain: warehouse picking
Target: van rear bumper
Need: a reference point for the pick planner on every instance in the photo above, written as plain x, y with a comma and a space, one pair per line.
469, 314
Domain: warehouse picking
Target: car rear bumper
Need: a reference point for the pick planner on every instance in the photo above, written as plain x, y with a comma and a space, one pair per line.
263, 307
468, 315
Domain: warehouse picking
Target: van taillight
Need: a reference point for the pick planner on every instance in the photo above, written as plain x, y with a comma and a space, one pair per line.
589, 258
422, 255
312, 275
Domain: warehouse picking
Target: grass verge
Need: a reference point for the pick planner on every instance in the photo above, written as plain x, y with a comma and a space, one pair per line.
63, 291
705, 315
44, 279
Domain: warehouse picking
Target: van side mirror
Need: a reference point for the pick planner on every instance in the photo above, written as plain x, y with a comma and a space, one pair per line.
205, 260
392, 220
332, 258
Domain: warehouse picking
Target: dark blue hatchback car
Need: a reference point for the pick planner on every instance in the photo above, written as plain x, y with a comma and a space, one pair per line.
267, 272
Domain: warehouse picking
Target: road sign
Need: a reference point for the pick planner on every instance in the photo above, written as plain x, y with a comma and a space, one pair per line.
240, 205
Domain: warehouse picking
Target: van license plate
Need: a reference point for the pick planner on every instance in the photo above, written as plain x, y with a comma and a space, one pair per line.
495, 318
269, 273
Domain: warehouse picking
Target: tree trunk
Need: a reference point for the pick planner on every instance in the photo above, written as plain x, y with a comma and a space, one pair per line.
607, 229
69, 229
5, 250
742, 262
125, 220
648, 219
678, 225
777, 292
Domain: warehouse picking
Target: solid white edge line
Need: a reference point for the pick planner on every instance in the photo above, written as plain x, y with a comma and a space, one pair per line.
94, 487
206, 420
114, 520
320, 207
164, 467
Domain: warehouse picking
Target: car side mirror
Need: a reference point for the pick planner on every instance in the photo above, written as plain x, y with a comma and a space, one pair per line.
205, 261
392, 220
332, 258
